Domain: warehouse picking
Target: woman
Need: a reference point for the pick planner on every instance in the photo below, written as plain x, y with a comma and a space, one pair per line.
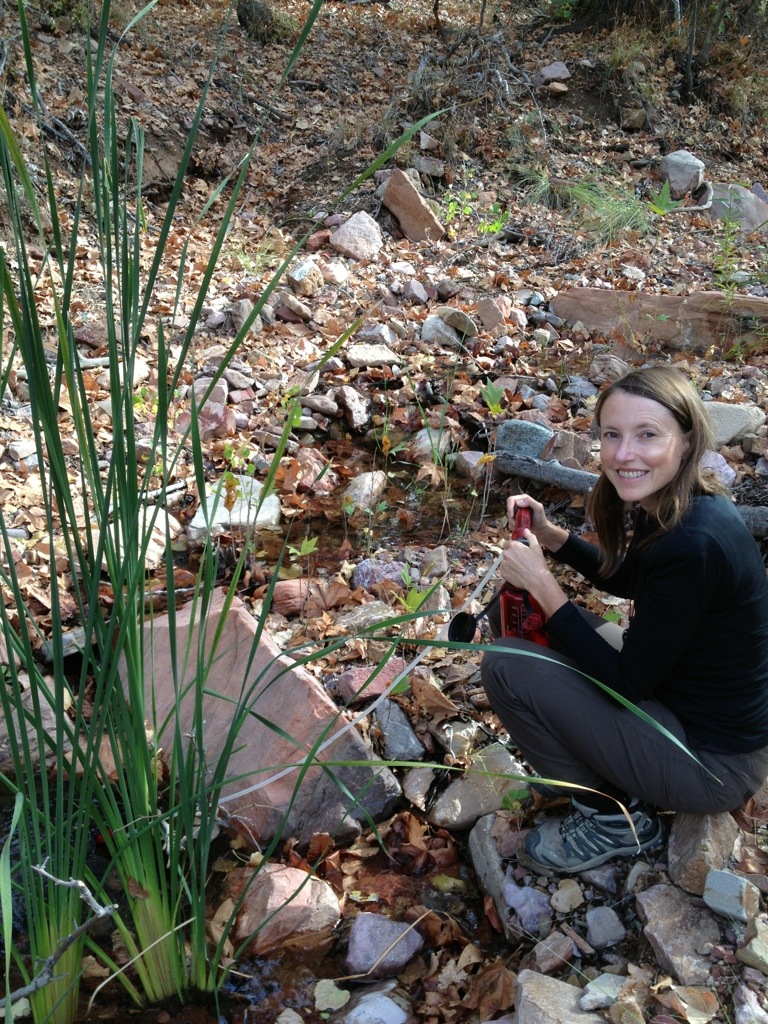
694, 656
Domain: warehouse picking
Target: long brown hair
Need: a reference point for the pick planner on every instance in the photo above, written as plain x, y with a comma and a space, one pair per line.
671, 388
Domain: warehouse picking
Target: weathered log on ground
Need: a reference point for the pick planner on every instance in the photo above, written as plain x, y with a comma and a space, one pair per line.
693, 322
581, 481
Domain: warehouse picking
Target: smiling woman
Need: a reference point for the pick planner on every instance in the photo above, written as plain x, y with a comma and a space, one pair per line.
694, 658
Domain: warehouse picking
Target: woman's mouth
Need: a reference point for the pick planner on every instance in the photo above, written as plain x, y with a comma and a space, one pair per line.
631, 474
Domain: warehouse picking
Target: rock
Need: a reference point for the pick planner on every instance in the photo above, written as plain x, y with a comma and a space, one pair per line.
429, 445
475, 794
555, 72
357, 407
567, 444
249, 509
237, 380
371, 571
429, 165
435, 331
306, 279
309, 721
285, 908
697, 844
489, 866
732, 422
380, 947
567, 897
601, 992
291, 304
359, 237
398, 740
382, 1004
692, 322
256, 18
544, 1000
460, 321
683, 171
324, 404
473, 465
366, 616
370, 355
490, 313
748, 1007
632, 119
240, 310
604, 927
557, 89
379, 335
363, 492
415, 216
335, 272
606, 367
313, 473
754, 951
679, 932
552, 953
414, 291
736, 204
365, 683
217, 396
720, 468
731, 896
434, 562
531, 906
213, 420
522, 438
417, 784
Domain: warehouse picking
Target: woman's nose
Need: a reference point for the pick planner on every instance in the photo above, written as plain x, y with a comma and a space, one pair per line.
625, 450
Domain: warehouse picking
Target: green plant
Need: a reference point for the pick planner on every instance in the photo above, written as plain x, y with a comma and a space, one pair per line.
662, 204
604, 208
492, 395
98, 730
562, 10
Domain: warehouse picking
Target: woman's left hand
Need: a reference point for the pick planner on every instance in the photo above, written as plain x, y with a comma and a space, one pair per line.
524, 565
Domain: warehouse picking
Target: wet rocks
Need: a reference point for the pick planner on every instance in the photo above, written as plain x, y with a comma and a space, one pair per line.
282, 907
379, 947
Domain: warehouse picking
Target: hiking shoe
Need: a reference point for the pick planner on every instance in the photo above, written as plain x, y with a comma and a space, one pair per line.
587, 838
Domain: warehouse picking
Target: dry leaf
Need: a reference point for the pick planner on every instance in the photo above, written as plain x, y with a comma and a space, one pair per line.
431, 698
492, 991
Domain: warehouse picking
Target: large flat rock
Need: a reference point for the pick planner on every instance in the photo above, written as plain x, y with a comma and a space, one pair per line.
290, 714
688, 322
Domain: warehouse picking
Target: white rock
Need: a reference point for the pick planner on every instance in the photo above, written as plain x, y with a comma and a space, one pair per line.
731, 422
364, 490
248, 510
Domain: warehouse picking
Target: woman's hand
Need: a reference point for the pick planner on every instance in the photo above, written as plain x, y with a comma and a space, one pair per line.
524, 565
548, 534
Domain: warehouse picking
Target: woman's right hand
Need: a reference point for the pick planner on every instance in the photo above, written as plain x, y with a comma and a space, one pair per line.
549, 535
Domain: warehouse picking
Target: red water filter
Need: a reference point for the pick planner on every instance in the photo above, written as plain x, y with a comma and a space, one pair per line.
521, 615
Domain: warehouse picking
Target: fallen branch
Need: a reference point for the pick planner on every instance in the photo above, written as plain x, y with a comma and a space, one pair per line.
45, 975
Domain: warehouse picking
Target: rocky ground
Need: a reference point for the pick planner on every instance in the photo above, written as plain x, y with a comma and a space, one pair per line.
527, 192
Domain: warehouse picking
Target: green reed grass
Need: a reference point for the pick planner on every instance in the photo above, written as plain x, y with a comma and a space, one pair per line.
98, 737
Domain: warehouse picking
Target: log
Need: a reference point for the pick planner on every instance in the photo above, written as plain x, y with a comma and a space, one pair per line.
692, 323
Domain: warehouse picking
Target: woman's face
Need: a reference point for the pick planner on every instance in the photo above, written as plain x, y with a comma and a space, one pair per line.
641, 445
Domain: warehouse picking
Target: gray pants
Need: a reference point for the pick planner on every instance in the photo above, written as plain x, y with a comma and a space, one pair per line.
570, 730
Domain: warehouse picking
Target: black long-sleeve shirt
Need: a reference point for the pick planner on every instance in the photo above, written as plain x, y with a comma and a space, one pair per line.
698, 638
